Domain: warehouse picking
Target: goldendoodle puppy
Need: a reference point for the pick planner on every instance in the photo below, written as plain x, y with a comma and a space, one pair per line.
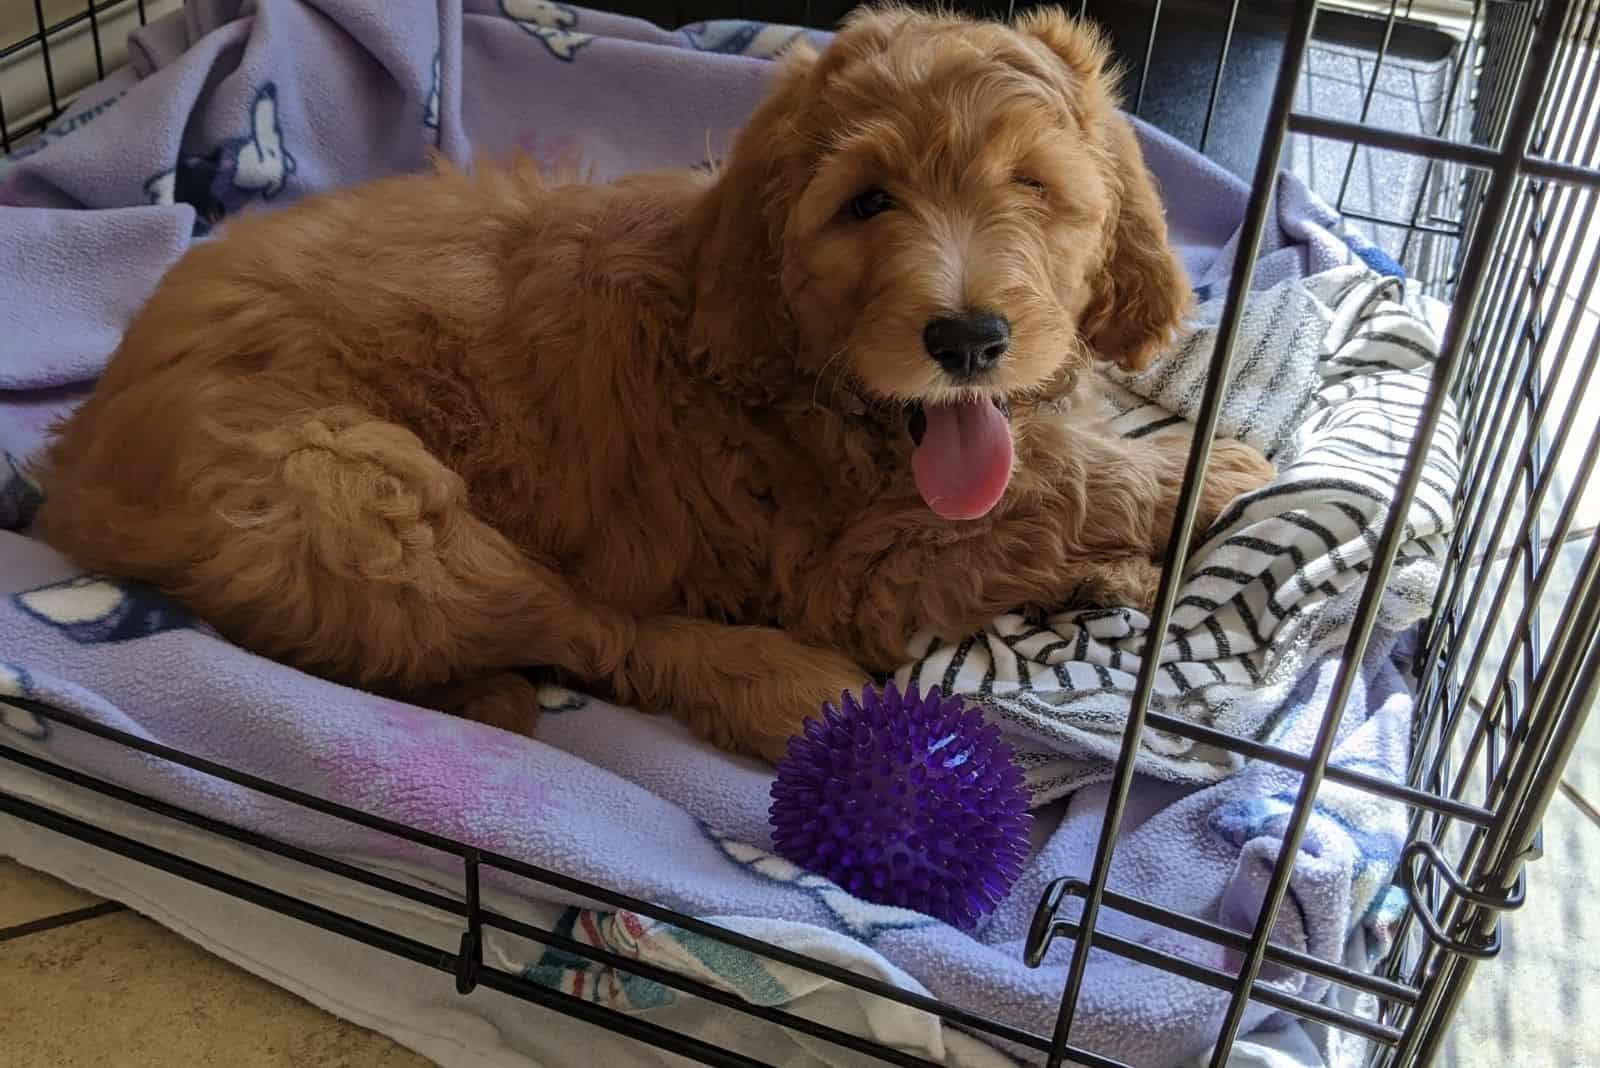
715, 444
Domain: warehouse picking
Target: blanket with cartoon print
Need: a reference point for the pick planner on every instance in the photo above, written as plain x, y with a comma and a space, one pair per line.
234, 107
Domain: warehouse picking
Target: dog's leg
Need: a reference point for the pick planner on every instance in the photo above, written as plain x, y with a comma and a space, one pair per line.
1085, 530
1115, 581
1234, 468
748, 689
337, 543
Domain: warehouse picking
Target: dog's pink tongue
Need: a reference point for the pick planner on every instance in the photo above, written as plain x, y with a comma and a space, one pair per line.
964, 462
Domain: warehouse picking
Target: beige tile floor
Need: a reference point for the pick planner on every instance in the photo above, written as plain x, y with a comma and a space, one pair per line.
88, 982
1534, 1005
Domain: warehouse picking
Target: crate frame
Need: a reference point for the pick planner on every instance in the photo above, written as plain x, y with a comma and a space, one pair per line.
1520, 166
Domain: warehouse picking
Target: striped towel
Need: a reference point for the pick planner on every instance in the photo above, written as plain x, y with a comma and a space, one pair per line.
1329, 377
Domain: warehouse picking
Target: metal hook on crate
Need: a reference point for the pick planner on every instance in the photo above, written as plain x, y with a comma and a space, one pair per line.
1043, 929
1478, 949
469, 957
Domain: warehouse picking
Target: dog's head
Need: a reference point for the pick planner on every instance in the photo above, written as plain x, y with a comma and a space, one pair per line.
954, 215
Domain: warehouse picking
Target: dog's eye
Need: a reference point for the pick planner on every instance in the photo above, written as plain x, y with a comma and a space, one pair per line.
1029, 182
872, 202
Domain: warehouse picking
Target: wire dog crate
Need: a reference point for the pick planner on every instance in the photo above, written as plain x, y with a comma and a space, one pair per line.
1505, 178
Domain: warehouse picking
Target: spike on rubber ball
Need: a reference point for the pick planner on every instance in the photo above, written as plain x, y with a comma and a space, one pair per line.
904, 799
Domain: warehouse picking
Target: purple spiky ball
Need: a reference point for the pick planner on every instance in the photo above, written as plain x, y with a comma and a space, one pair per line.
904, 799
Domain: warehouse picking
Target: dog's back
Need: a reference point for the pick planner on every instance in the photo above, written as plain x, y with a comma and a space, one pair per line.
447, 303
324, 399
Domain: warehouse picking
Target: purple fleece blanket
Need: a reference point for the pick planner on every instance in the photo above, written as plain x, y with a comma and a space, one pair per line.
236, 107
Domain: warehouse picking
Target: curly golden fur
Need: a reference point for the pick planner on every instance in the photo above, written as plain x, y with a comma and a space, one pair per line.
653, 435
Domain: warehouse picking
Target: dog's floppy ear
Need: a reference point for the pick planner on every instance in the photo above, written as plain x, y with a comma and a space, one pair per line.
1140, 295
741, 329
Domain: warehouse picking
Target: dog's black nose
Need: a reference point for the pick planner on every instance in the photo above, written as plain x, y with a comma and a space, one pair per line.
964, 345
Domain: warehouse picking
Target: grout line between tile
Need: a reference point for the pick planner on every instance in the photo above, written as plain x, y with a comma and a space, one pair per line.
1583, 804
50, 923
1576, 534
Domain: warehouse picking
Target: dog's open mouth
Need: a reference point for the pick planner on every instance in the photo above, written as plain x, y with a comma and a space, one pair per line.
963, 454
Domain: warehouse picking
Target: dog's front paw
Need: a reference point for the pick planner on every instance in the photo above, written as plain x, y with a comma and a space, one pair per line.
1235, 468
506, 700
1121, 582
763, 692
777, 708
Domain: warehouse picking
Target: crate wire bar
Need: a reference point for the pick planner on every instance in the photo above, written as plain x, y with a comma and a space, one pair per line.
1509, 201
1172, 572
37, 44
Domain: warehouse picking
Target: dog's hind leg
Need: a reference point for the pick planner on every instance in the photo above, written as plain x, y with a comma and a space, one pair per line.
337, 543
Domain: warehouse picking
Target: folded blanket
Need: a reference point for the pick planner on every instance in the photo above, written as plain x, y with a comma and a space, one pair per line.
1328, 379
233, 108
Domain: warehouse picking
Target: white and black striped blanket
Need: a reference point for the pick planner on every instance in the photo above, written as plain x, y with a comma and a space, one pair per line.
1328, 379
